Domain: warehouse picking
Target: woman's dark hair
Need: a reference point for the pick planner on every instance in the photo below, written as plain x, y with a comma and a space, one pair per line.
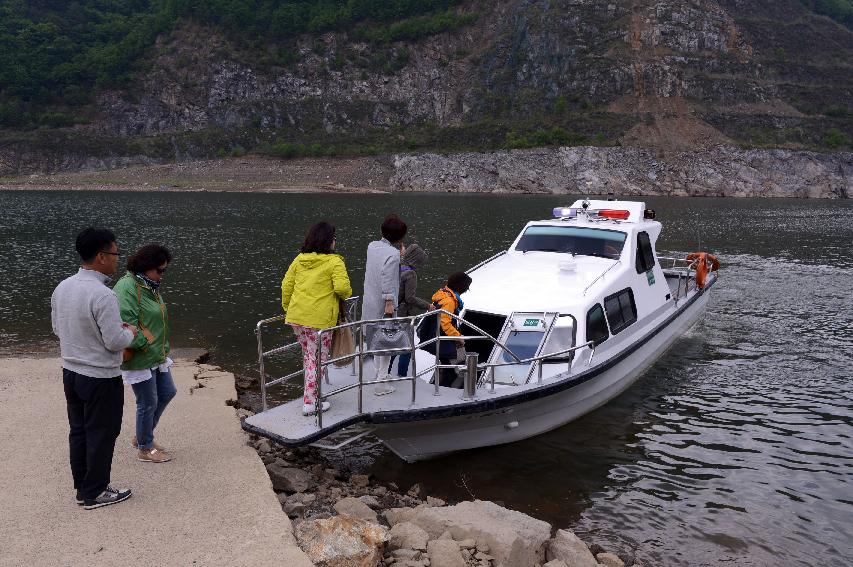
459, 282
393, 228
147, 258
93, 240
319, 238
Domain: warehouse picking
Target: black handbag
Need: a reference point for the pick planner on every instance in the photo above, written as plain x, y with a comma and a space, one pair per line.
426, 330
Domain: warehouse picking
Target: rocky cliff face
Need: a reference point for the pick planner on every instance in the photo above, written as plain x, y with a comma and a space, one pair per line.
720, 172
670, 75
687, 73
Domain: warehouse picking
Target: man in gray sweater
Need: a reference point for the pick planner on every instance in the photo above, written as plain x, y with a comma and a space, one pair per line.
85, 317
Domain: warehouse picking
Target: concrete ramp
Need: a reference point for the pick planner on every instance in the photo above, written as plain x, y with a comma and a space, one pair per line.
212, 505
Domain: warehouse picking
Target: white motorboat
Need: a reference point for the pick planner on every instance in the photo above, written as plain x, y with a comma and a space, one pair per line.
563, 321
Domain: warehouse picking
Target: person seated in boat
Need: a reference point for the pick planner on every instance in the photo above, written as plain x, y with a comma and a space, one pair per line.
382, 287
448, 298
412, 258
311, 291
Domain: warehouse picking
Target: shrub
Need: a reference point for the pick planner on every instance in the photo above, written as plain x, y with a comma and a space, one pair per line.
835, 139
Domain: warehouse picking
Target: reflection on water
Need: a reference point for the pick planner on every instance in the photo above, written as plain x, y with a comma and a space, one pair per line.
734, 449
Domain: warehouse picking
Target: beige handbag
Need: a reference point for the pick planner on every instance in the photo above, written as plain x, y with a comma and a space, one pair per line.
343, 343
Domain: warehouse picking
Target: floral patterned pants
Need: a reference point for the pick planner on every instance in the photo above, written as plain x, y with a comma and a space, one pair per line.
307, 338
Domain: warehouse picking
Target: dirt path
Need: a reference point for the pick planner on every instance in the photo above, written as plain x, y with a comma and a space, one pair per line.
244, 174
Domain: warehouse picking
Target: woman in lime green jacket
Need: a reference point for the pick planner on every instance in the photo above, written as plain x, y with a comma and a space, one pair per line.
311, 291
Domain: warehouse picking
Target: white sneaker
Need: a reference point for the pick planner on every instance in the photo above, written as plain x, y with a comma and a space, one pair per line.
310, 409
383, 389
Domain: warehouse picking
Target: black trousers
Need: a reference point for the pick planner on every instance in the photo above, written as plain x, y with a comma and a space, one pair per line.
446, 376
95, 407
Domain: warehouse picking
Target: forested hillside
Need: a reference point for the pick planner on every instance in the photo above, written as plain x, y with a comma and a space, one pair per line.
180, 79
53, 54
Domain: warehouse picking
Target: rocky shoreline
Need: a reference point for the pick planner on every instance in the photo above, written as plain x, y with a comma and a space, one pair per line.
720, 171
343, 520
346, 519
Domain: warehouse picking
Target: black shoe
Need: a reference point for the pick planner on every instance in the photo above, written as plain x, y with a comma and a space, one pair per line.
109, 496
79, 498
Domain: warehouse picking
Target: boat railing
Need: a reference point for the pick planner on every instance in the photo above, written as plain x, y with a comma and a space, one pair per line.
350, 311
684, 269
412, 321
601, 275
486, 261
357, 358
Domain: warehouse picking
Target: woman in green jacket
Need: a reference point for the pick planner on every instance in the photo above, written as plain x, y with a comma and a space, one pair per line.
311, 290
146, 362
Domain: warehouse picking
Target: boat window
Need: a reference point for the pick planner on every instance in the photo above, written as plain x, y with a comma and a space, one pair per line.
523, 343
572, 240
596, 326
621, 310
561, 338
645, 254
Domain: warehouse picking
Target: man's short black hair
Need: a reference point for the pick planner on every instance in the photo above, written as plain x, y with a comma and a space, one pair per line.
93, 240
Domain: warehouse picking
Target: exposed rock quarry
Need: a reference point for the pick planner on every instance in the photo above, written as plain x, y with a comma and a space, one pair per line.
722, 171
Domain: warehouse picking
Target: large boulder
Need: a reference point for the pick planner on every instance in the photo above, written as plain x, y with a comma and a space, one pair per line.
609, 560
407, 535
396, 515
342, 541
289, 479
568, 548
356, 508
445, 553
513, 538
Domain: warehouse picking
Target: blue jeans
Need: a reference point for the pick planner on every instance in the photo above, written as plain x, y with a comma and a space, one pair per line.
402, 364
152, 397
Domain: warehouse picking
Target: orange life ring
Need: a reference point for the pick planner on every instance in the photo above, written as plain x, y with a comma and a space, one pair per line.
705, 262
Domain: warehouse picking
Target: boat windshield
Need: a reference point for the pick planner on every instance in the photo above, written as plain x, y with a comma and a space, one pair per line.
577, 240
522, 344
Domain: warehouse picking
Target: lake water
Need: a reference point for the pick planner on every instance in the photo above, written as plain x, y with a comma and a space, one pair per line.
734, 449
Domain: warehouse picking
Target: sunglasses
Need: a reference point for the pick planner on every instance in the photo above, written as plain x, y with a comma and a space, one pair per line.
160, 271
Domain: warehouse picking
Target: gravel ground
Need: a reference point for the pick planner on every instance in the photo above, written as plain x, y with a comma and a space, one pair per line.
245, 174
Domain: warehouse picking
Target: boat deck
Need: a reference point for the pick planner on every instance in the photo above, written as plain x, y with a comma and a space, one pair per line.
286, 424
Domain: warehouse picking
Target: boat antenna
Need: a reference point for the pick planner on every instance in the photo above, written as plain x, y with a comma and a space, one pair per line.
698, 234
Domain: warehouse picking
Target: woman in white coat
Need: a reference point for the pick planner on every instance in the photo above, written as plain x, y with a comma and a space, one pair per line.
382, 285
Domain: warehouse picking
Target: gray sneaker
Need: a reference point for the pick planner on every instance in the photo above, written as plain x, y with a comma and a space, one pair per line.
109, 496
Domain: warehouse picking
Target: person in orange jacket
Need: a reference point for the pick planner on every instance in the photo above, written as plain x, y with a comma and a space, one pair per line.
448, 298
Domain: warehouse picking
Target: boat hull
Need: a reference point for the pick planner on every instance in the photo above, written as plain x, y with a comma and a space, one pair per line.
429, 438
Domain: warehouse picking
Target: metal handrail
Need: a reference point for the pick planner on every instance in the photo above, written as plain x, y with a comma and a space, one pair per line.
685, 268
412, 320
484, 262
358, 357
349, 305
601, 275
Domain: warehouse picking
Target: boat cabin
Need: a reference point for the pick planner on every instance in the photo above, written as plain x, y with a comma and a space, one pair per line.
592, 270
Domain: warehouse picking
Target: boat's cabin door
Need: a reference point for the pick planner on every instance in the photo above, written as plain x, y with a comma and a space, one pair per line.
525, 334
